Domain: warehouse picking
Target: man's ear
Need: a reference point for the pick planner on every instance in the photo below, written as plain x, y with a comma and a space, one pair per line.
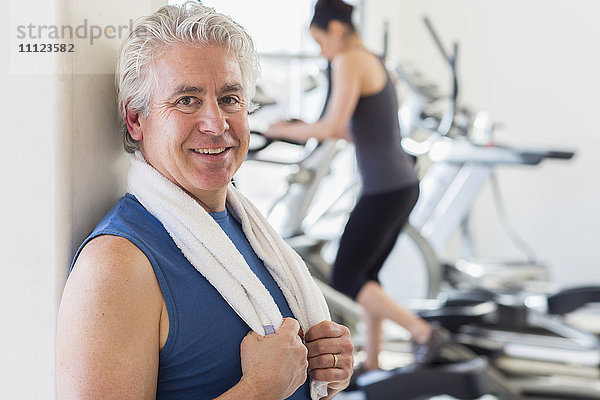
132, 119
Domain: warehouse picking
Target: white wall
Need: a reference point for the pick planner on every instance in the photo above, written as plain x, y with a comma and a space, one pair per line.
28, 238
62, 167
534, 67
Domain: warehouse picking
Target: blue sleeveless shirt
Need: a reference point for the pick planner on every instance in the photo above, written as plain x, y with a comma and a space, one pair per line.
201, 357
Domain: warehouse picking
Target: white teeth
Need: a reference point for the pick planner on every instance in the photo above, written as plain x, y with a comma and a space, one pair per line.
209, 151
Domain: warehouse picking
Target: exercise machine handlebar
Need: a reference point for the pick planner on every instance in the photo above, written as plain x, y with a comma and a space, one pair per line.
309, 147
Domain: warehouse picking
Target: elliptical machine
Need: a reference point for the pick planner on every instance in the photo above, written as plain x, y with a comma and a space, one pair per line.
459, 373
527, 337
472, 306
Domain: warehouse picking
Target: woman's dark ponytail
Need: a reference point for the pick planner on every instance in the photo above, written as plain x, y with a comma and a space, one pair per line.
328, 10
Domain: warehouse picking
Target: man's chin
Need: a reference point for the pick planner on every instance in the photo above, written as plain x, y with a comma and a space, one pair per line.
215, 185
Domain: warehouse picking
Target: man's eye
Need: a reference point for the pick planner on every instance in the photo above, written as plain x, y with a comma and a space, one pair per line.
229, 100
185, 101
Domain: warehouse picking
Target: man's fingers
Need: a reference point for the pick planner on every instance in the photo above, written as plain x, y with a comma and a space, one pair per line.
331, 374
326, 329
324, 346
329, 361
290, 324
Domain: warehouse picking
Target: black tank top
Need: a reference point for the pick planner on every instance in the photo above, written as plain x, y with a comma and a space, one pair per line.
375, 131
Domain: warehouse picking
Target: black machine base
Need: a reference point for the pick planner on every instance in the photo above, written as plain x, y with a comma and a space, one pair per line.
462, 380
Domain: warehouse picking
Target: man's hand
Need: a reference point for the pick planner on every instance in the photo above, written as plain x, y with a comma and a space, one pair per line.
324, 341
274, 366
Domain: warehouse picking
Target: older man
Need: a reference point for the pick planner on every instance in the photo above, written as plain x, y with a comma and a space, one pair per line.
183, 290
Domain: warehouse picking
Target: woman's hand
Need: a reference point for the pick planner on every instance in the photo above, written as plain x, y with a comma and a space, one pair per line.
284, 129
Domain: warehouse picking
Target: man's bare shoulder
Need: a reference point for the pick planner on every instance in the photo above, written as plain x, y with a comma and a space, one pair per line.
110, 246
113, 266
108, 326
110, 254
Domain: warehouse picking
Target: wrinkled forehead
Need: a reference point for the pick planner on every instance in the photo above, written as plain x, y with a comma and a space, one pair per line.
207, 67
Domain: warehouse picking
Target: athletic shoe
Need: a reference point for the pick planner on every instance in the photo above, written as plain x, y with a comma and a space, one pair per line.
425, 353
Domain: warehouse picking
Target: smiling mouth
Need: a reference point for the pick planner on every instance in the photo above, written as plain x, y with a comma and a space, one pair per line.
210, 151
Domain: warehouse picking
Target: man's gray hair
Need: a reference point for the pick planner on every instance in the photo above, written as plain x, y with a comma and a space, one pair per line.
151, 36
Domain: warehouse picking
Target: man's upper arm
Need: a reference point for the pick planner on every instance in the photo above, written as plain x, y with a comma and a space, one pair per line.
108, 324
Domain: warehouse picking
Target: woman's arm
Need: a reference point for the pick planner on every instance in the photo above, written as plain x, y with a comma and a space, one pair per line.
346, 87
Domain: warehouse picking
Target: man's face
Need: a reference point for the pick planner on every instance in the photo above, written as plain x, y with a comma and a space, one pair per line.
196, 133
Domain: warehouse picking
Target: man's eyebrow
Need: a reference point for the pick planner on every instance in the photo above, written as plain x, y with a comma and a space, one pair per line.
228, 88
234, 87
182, 89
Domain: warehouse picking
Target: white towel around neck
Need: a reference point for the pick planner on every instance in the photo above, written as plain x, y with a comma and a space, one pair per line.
212, 253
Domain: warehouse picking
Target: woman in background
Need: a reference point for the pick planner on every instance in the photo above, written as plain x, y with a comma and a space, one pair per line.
362, 107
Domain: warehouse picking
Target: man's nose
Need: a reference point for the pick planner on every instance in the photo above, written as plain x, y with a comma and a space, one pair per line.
212, 120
